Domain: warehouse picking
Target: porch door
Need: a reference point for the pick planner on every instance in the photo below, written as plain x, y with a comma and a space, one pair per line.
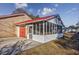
22, 31
30, 31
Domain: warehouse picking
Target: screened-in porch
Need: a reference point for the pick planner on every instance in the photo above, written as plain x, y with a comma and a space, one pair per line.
46, 28
44, 31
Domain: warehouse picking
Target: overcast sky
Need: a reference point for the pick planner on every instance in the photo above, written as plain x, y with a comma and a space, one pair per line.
69, 13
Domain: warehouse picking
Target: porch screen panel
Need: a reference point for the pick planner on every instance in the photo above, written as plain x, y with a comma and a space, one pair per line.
48, 28
34, 29
59, 29
45, 28
55, 28
38, 30
41, 28
51, 28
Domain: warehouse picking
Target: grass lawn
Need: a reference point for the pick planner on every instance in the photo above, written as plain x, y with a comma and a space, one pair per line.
55, 47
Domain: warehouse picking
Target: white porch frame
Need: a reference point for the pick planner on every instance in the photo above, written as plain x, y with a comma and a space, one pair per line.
28, 31
44, 37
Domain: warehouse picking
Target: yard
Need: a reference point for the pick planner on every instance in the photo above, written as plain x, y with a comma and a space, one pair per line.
64, 46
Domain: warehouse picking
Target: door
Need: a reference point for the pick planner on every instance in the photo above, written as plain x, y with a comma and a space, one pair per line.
30, 32
22, 31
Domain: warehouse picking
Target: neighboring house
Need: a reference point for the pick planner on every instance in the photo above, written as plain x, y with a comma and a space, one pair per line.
42, 29
73, 28
77, 27
7, 23
70, 29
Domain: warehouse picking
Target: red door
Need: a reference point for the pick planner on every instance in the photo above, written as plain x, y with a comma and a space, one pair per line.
22, 31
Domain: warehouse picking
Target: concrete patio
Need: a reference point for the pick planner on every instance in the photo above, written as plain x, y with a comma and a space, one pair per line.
11, 46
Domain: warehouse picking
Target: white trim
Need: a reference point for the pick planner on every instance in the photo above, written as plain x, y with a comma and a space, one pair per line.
39, 29
49, 27
52, 28
36, 28
46, 27
26, 30
43, 28
32, 29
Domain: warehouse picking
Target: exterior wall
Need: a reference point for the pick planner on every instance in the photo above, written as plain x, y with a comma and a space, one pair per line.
39, 38
46, 38
55, 21
17, 31
8, 27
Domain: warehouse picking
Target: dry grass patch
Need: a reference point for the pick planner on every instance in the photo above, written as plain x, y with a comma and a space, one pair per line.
55, 47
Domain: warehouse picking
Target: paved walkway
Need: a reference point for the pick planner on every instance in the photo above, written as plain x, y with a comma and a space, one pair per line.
14, 45
8, 41
31, 44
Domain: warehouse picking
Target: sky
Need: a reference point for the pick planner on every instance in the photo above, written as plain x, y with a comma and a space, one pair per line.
69, 13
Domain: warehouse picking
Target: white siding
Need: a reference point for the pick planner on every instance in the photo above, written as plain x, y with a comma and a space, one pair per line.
55, 21
39, 38
46, 38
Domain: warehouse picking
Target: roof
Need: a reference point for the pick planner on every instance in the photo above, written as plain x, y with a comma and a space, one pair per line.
35, 20
17, 12
11, 15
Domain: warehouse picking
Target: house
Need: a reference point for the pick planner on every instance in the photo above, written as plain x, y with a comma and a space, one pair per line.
77, 27
7, 22
72, 29
42, 29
